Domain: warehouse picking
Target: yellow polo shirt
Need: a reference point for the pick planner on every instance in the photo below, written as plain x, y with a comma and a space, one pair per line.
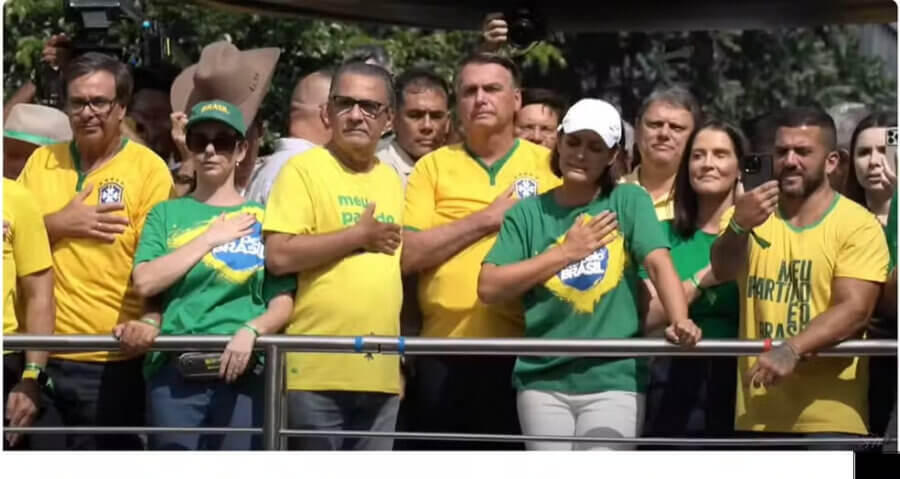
447, 185
664, 205
26, 249
93, 279
783, 288
357, 295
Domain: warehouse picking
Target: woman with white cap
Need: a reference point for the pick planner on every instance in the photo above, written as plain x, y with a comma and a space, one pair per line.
572, 255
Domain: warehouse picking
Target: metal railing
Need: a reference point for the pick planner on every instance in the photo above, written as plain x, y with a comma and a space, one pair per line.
275, 345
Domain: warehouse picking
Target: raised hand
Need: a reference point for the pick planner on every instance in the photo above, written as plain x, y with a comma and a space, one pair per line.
225, 230
378, 237
585, 237
754, 207
93, 221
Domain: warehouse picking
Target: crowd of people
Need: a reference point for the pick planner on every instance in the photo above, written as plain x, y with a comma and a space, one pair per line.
142, 211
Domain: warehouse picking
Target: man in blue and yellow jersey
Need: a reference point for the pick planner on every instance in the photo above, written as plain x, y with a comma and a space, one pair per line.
456, 197
665, 121
95, 193
333, 218
809, 265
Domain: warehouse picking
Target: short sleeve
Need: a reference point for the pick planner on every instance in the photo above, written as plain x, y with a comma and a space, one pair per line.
418, 212
643, 231
289, 209
154, 240
31, 247
27, 176
863, 253
512, 241
158, 187
275, 285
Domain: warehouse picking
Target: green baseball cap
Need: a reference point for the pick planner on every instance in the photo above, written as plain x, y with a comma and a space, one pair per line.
218, 110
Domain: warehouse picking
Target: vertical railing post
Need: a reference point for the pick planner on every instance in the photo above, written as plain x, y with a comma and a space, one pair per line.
272, 418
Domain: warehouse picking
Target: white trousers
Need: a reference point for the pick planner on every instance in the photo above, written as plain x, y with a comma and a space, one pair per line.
614, 414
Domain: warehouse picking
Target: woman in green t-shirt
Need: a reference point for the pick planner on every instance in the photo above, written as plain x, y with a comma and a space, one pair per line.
571, 255
694, 396
201, 258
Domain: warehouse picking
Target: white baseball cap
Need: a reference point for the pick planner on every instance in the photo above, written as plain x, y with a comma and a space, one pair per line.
594, 115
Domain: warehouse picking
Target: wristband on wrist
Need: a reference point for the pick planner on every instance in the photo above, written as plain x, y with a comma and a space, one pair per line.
150, 321
251, 328
736, 227
32, 374
694, 281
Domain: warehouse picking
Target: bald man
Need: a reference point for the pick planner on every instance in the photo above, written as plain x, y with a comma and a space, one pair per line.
305, 130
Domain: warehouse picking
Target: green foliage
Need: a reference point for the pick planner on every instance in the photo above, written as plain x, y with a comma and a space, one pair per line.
736, 75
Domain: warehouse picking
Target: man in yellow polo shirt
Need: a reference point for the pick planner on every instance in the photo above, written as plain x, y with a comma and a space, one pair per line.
664, 122
333, 218
95, 193
455, 201
27, 294
809, 264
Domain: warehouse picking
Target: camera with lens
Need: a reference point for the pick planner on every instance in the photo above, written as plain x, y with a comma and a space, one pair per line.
94, 21
525, 26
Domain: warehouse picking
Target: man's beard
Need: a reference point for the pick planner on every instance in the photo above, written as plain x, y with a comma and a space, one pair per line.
811, 182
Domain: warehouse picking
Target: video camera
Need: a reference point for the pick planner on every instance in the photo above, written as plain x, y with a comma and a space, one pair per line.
94, 20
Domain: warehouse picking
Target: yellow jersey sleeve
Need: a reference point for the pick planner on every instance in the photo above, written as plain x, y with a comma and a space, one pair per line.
31, 247
863, 253
725, 219
290, 207
159, 187
26, 177
420, 195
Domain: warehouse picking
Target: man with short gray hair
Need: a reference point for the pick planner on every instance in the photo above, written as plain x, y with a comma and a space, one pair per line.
664, 122
333, 218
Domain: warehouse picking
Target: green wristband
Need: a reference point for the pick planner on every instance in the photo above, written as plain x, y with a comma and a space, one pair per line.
251, 328
150, 321
736, 227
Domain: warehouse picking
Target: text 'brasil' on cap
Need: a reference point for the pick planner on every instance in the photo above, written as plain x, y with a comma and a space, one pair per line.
218, 110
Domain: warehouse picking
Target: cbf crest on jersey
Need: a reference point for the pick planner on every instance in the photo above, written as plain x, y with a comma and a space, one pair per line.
584, 283
526, 187
111, 191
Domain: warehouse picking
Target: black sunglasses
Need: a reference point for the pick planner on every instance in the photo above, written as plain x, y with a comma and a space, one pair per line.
223, 142
343, 104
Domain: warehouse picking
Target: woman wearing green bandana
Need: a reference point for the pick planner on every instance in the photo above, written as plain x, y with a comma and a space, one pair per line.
203, 256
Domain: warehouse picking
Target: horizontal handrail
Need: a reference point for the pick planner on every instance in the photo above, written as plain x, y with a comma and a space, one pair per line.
440, 436
635, 347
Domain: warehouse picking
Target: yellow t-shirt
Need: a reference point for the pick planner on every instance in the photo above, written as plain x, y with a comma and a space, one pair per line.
785, 287
447, 185
93, 279
26, 249
357, 295
664, 205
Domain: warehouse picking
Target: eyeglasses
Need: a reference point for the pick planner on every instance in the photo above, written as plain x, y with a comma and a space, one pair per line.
223, 143
97, 104
344, 104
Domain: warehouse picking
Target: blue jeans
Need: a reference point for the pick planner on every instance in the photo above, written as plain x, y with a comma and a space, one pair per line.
342, 411
175, 402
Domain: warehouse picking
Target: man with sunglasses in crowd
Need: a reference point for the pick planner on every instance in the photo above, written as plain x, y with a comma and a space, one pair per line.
95, 192
333, 218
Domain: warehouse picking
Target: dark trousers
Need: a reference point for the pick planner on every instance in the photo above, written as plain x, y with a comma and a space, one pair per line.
459, 394
108, 394
48, 416
690, 397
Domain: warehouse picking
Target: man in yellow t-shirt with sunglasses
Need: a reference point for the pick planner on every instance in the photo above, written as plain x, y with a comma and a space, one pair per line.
809, 264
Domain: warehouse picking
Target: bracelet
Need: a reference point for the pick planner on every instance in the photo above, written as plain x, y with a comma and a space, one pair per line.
693, 280
767, 345
150, 321
736, 227
251, 328
32, 374
34, 367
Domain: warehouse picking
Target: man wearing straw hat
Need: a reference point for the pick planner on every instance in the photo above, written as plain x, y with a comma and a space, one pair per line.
27, 128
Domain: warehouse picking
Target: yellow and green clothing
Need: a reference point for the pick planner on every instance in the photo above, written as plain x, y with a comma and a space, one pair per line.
226, 289
26, 249
92, 279
664, 205
448, 185
783, 288
590, 299
357, 295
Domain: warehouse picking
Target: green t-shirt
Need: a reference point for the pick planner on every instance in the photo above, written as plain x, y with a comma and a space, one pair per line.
227, 288
593, 298
716, 310
890, 230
